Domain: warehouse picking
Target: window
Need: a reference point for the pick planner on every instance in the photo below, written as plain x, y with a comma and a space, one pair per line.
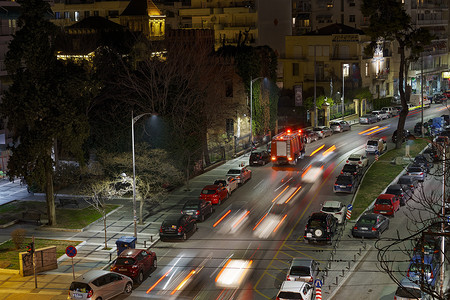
351, 18
87, 14
113, 13
229, 88
57, 15
230, 127
367, 69
95, 13
77, 16
295, 69
66, 15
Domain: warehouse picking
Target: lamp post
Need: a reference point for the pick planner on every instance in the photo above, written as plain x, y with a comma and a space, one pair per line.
251, 110
344, 67
133, 121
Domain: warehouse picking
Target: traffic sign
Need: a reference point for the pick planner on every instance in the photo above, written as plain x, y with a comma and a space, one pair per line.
318, 283
71, 251
349, 207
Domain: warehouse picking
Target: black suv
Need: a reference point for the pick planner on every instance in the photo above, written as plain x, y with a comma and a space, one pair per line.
197, 209
320, 227
354, 170
261, 157
177, 227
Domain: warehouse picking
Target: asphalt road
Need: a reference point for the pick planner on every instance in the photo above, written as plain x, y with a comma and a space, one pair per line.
191, 269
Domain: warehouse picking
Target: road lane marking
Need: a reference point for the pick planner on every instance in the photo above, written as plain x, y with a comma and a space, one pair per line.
284, 184
258, 184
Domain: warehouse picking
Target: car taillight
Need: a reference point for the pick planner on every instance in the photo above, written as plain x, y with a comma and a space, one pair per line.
421, 173
160, 229
407, 273
310, 280
407, 173
347, 161
288, 278
359, 162
342, 172
180, 228
374, 229
197, 212
349, 185
355, 227
90, 293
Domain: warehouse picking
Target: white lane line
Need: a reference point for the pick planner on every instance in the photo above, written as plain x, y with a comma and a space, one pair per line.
258, 184
284, 184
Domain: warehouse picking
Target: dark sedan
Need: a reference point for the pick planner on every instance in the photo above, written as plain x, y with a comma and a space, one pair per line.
345, 184
260, 157
408, 182
401, 193
177, 227
197, 209
368, 119
370, 225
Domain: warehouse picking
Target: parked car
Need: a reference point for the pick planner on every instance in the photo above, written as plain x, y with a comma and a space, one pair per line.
429, 269
417, 172
323, 131
214, 193
401, 193
409, 290
242, 174
406, 134
295, 290
368, 119
178, 227
230, 183
381, 115
320, 227
135, 263
391, 111
354, 170
260, 157
100, 284
303, 269
376, 146
311, 135
431, 245
386, 204
424, 160
357, 159
442, 140
197, 209
336, 209
345, 184
408, 182
340, 126
370, 225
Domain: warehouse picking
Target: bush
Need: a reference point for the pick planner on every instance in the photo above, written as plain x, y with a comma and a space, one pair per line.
18, 236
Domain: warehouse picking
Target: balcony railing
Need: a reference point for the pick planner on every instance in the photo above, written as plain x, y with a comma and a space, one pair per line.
432, 22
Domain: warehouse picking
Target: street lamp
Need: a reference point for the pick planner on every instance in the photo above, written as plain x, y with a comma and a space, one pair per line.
133, 121
345, 72
251, 110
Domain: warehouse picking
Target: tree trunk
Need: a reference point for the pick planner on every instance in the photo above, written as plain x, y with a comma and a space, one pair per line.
49, 196
187, 173
104, 226
404, 111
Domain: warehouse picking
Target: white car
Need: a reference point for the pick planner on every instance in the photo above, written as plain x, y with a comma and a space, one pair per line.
230, 183
381, 115
335, 208
357, 159
295, 290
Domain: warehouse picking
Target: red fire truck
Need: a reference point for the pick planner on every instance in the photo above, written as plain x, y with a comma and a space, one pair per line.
288, 147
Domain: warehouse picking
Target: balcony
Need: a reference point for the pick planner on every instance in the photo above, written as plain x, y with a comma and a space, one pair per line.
382, 75
346, 57
441, 22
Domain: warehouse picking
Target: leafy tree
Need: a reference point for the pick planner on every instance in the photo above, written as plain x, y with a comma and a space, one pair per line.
390, 22
46, 103
309, 102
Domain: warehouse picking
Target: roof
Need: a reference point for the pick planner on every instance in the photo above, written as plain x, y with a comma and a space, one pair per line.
130, 252
141, 8
298, 261
96, 22
91, 275
210, 187
292, 286
385, 196
332, 203
336, 28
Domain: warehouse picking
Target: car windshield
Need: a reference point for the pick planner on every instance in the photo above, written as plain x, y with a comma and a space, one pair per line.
330, 209
289, 295
408, 292
208, 192
417, 267
404, 181
125, 261
222, 182
393, 191
414, 170
191, 205
334, 124
383, 202
234, 171
372, 143
344, 180
349, 168
169, 222
80, 287
300, 271
367, 220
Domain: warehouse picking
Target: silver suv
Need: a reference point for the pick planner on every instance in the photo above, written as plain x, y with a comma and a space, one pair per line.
303, 269
100, 284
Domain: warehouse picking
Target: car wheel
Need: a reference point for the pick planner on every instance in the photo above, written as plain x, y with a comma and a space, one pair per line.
162, 239
128, 288
140, 277
155, 263
99, 298
378, 235
202, 218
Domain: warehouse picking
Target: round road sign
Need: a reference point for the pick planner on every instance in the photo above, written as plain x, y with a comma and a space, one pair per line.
71, 251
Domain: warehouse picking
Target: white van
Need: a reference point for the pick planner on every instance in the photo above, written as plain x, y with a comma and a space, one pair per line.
391, 111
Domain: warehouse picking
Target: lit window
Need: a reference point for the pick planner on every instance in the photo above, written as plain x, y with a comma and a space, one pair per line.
57, 15
367, 69
77, 16
345, 69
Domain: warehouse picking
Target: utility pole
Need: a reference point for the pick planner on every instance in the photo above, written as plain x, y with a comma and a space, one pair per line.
421, 91
441, 292
315, 88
